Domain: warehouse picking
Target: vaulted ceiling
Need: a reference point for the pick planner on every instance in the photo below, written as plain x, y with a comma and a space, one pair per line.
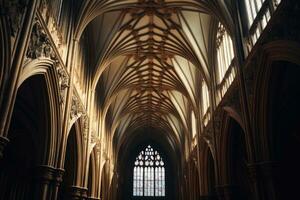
148, 60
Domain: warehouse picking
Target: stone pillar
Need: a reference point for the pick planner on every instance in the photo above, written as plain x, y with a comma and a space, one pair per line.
10, 86
253, 175
3, 143
43, 177
57, 179
77, 193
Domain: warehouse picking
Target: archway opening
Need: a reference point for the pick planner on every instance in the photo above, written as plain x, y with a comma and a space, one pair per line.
70, 167
92, 190
105, 181
211, 174
238, 161
195, 181
283, 105
28, 141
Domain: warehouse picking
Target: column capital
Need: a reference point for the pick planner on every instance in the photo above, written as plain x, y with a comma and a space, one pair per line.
77, 192
45, 173
58, 176
3, 143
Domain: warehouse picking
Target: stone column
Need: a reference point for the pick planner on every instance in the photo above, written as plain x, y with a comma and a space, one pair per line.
10, 86
57, 179
253, 175
43, 177
3, 143
77, 193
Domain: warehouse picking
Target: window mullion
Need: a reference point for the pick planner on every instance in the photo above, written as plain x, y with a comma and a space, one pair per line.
146, 177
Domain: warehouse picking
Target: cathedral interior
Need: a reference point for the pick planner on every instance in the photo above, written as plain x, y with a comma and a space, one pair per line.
149, 99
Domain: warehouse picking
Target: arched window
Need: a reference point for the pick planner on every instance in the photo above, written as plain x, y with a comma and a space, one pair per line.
224, 51
205, 102
205, 97
194, 124
225, 56
149, 174
258, 15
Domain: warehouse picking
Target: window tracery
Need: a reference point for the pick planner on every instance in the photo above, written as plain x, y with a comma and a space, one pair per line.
149, 174
225, 57
258, 15
205, 102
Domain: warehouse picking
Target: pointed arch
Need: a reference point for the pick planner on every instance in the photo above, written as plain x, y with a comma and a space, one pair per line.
45, 68
92, 175
74, 162
234, 156
207, 170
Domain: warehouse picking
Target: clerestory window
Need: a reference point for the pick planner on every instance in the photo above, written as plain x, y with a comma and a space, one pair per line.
225, 57
258, 15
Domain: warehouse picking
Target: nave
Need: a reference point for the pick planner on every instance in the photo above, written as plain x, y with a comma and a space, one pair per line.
149, 99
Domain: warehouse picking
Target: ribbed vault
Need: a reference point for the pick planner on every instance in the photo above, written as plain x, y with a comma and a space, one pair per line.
149, 59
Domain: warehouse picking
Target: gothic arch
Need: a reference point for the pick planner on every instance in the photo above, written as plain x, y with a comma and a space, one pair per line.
73, 180
207, 171
271, 53
194, 184
29, 134
93, 175
224, 142
233, 159
276, 112
45, 68
105, 183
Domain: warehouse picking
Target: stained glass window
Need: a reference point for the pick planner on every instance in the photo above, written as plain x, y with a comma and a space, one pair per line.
149, 174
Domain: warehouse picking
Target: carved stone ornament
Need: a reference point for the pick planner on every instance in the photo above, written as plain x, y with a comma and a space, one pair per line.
233, 100
104, 155
218, 123
76, 108
39, 45
63, 81
85, 126
93, 137
98, 146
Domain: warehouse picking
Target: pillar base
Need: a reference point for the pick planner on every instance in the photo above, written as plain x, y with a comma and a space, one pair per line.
43, 177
